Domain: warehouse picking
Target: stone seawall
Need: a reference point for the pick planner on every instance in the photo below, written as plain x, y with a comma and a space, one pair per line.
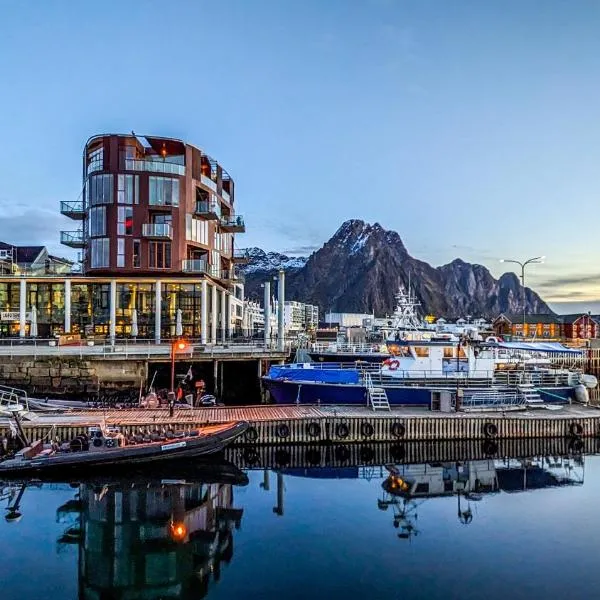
64, 376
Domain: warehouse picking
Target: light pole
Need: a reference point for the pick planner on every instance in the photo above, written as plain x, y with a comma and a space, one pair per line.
176, 345
535, 259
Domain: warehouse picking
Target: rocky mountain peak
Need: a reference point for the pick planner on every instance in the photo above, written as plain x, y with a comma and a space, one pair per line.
360, 268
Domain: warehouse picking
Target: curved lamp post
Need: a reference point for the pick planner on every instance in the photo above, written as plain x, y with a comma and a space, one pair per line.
535, 259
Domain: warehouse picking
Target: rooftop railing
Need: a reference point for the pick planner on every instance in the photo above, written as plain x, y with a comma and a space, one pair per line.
154, 166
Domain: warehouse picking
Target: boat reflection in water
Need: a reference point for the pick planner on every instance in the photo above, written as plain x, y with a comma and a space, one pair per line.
152, 538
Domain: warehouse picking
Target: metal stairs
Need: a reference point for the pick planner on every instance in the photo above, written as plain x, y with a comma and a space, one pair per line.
529, 393
376, 396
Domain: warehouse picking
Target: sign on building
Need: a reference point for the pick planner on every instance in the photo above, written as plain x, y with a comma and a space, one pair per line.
13, 315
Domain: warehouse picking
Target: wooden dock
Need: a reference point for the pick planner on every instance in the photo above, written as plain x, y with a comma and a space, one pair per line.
275, 424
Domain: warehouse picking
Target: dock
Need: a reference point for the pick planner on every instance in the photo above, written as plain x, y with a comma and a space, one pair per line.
303, 424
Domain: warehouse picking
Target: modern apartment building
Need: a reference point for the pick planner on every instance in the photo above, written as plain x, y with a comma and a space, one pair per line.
156, 226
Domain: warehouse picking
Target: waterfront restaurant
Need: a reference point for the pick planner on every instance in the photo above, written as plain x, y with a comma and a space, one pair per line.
156, 235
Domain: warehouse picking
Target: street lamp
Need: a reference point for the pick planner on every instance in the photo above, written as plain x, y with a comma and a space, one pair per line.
177, 345
535, 259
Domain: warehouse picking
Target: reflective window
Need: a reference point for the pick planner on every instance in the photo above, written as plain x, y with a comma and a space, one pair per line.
124, 220
98, 221
128, 189
196, 230
95, 160
120, 252
164, 191
100, 253
99, 189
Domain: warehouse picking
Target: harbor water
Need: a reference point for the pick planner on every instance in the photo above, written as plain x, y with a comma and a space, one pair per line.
518, 528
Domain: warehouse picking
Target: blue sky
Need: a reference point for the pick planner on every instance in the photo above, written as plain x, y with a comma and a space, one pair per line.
469, 127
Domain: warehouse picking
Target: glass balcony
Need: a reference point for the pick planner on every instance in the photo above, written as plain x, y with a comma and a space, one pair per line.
209, 209
73, 239
157, 230
241, 257
226, 197
154, 166
233, 224
73, 210
196, 265
208, 182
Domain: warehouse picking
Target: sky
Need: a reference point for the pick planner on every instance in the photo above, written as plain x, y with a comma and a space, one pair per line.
469, 127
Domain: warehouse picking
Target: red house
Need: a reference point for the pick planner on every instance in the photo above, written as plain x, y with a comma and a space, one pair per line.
580, 327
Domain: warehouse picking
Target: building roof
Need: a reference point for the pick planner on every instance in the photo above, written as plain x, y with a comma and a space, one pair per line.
517, 319
570, 319
28, 254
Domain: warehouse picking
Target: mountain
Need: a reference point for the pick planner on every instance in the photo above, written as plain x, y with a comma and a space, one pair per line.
361, 267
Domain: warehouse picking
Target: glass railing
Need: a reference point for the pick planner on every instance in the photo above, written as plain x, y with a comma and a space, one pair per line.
208, 182
204, 207
195, 265
241, 254
155, 166
71, 207
225, 196
233, 221
163, 230
71, 237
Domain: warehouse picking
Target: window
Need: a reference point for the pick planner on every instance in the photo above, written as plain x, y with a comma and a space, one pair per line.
120, 252
97, 221
99, 190
124, 220
95, 160
164, 191
162, 219
159, 255
136, 253
196, 230
421, 352
100, 253
128, 189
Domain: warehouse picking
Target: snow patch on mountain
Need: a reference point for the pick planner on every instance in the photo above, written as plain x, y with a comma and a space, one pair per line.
271, 261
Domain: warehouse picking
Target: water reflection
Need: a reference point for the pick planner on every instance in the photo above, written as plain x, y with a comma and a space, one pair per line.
148, 537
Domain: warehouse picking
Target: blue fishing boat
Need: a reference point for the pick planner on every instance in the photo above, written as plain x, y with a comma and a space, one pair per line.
435, 373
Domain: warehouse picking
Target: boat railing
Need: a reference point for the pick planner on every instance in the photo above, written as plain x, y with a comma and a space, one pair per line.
12, 397
492, 399
362, 348
537, 378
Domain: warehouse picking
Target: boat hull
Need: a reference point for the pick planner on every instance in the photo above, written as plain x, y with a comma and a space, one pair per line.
348, 357
308, 392
216, 439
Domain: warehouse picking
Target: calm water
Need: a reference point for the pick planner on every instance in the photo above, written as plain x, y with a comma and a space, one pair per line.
311, 534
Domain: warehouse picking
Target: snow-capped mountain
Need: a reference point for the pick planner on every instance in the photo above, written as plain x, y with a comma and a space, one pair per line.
360, 268
271, 261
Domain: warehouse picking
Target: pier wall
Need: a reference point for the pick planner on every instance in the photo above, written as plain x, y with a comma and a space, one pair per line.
70, 376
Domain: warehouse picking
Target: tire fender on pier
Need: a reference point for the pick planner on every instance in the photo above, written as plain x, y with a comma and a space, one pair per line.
490, 430
398, 429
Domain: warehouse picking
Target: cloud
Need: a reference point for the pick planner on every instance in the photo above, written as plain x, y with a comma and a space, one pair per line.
301, 250
583, 279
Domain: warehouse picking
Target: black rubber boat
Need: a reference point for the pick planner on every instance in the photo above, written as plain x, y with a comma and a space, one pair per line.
101, 450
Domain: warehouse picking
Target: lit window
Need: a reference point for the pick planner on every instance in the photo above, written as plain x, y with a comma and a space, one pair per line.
164, 191
124, 220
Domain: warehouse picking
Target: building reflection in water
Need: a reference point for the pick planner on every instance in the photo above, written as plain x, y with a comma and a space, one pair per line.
152, 539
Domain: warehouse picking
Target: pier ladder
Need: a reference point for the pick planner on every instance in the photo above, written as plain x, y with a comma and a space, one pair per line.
377, 396
529, 393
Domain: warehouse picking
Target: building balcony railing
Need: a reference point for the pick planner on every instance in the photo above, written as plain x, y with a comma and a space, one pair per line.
208, 209
225, 196
241, 257
231, 275
194, 265
233, 224
73, 210
208, 182
73, 239
157, 230
154, 166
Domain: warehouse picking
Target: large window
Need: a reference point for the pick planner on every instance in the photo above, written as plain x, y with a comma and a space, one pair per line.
99, 190
128, 189
120, 252
124, 220
96, 160
97, 221
159, 255
100, 253
196, 230
137, 249
164, 191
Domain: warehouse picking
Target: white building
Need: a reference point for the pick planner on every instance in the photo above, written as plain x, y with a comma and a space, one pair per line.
298, 317
348, 319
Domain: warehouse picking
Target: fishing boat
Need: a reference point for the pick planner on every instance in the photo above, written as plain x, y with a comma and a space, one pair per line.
430, 372
101, 448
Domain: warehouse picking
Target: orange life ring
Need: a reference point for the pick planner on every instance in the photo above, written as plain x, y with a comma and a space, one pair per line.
394, 364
